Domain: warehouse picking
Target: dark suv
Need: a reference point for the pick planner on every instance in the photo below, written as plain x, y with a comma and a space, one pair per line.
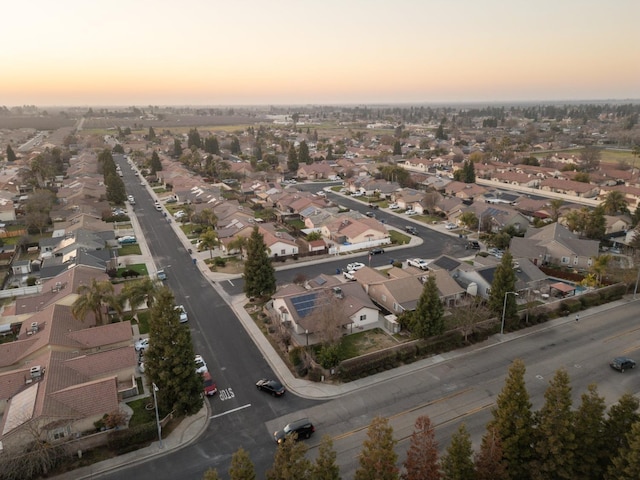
473, 245
303, 427
622, 363
411, 230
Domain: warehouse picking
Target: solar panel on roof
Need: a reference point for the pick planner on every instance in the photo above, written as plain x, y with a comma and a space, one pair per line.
319, 280
304, 304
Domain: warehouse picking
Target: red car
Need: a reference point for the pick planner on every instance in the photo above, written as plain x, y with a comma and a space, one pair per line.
210, 387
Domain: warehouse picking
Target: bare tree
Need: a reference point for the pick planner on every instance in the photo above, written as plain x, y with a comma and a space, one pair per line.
328, 317
471, 311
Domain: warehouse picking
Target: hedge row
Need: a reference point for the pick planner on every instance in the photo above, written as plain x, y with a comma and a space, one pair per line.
129, 439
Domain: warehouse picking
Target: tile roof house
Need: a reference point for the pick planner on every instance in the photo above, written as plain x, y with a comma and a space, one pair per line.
279, 244
555, 244
315, 171
355, 231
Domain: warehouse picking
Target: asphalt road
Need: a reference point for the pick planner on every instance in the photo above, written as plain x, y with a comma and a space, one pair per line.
459, 389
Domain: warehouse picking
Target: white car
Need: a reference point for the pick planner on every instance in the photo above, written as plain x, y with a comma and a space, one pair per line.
419, 263
349, 276
321, 194
183, 313
179, 214
411, 211
201, 365
394, 206
356, 194
352, 267
451, 226
141, 345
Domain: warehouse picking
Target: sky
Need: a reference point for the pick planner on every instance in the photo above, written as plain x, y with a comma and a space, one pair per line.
299, 52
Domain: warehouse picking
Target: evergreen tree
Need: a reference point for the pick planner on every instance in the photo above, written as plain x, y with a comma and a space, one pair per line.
169, 360
427, 320
152, 134
177, 148
156, 164
469, 172
193, 138
290, 462
259, 274
504, 280
211, 474
11, 156
489, 464
422, 456
457, 463
513, 422
329, 152
241, 466
292, 159
397, 148
235, 146
303, 154
626, 465
621, 417
325, 467
211, 145
378, 457
596, 224
591, 444
257, 152
555, 436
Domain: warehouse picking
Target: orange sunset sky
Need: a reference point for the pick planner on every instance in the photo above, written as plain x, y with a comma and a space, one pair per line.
249, 52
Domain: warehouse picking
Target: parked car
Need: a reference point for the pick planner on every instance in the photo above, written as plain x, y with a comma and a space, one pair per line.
419, 263
411, 230
141, 345
201, 365
161, 274
451, 226
210, 387
410, 212
127, 239
356, 194
272, 387
472, 245
376, 251
303, 428
622, 363
349, 276
374, 206
321, 194
394, 206
352, 267
183, 313
370, 214
179, 214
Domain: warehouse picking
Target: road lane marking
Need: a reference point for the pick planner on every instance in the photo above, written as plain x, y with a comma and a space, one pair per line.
609, 339
230, 411
231, 283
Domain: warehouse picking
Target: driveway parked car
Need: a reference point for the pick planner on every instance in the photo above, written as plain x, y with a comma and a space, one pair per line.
376, 251
622, 363
127, 239
349, 276
370, 214
451, 226
419, 263
303, 427
473, 245
272, 387
141, 345
410, 212
394, 206
352, 267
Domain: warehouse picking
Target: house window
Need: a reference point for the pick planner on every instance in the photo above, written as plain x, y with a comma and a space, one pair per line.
283, 252
564, 260
59, 433
363, 317
396, 307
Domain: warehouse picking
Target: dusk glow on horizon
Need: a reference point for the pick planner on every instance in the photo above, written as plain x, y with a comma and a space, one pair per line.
249, 52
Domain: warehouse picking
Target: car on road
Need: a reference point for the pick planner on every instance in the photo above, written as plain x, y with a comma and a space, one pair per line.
273, 387
210, 387
376, 251
418, 263
161, 275
201, 365
622, 363
472, 245
411, 230
127, 239
370, 214
182, 312
303, 428
352, 267
321, 194
374, 206
132, 200
141, 344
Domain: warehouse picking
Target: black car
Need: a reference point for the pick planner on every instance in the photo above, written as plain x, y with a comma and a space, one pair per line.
273, 387
376, 251
473, 245
411, 230
303, 428
622, 363
370, 215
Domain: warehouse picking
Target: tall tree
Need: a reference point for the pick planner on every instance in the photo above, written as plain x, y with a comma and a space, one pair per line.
555, 205
211, 474
289, 462
555, 436
238, 243
457, 463
139, 292
397, 148
591, 444
241, 466
193, 138
513, 422
169, 360
615, 202
155, 164
620, 418
325, 467
235, 146
11, 156
504, 280
488, 461
590, 158
292, 159
427, 320
259, 274
303, 153
177, 148
626, 465
378, 457
209, 240
596, 225
422, 456
211, 145
95, 298
152, 134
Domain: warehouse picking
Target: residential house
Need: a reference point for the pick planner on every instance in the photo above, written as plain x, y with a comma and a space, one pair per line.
356, 231
315, 171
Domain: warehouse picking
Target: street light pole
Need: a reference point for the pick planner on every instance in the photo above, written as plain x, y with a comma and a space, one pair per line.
155, 404
635, 290
504, 309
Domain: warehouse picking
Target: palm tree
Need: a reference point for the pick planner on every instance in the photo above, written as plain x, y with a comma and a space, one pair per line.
209, 240
139, 292
94, 298
209, 217
238, 243
599, 267
555, 206
615, 202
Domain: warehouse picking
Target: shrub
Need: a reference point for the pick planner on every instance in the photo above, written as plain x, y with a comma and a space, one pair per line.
315, 375
125, 440
219, 262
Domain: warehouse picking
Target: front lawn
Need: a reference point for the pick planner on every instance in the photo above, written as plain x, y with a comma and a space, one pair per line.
130, 249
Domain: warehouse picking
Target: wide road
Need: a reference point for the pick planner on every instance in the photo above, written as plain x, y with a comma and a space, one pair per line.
452, 388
